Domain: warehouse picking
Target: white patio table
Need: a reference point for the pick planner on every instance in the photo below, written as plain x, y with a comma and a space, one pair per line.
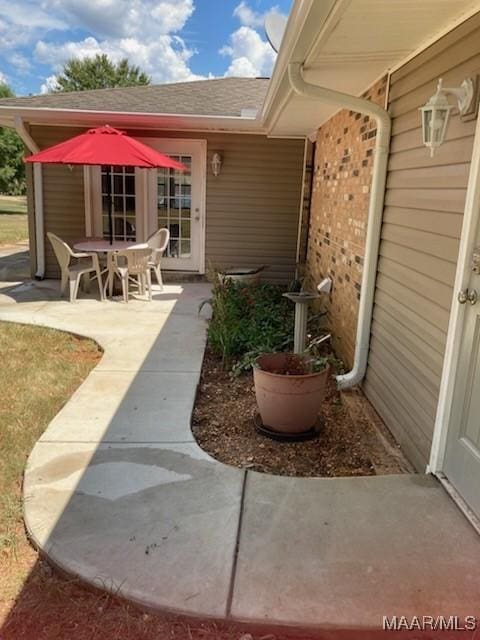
99, 245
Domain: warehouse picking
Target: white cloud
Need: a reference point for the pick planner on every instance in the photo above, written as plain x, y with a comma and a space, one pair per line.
22, 22
3, 78
20, 62
56, 54
250, 18
49, 85
30, 15
250, 55
247, 16
165, 59
144, 19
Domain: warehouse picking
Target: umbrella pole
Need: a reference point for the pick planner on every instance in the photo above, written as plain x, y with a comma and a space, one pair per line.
110, 203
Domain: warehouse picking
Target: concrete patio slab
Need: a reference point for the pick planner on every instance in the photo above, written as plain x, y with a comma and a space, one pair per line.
23, 292
104, 321
178, 299
173, 343
14, 262
343, 552
26, 313
119, 406
158, 524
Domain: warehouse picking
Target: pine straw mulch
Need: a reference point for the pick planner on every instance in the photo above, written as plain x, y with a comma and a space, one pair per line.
223, 426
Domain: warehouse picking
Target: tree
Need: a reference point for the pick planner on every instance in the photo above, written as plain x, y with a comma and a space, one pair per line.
12, 168
99, 72
5, 91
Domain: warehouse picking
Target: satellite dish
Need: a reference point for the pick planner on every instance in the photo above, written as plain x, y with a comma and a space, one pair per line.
274, 29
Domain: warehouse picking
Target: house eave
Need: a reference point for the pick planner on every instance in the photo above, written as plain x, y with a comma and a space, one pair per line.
165, 121
300, 32
346, 47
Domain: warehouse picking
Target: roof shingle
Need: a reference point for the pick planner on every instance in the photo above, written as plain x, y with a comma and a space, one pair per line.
218, 97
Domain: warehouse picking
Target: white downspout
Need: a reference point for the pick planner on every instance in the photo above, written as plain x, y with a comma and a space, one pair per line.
375, 209
38, 197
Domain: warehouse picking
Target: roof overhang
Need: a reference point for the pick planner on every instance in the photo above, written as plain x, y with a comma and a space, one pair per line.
130, 120
347, 45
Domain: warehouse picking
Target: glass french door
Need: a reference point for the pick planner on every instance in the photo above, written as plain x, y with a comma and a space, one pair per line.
122, 188
174, 208
127, 194
145, 200
177, 202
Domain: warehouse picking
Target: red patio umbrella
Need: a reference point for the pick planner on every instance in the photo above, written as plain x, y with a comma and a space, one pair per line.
105, 146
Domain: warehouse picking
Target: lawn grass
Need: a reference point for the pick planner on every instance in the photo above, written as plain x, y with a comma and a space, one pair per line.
13, 220
13, 204
41, 368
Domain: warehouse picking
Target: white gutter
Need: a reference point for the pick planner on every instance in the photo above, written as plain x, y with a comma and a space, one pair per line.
38, 197
131, 119
135, 114
375, 209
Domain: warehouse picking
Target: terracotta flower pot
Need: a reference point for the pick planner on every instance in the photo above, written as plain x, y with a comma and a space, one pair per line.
288, 398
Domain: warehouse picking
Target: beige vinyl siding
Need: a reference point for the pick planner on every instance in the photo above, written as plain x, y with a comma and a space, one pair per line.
423, 214
63, 195
252, 207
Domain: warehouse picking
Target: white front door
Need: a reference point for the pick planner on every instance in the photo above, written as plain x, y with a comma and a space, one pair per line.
462, 455
176, 200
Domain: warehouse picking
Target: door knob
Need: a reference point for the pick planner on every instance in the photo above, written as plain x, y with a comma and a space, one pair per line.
467, 296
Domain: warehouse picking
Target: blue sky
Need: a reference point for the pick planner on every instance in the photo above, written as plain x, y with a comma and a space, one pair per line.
172, 40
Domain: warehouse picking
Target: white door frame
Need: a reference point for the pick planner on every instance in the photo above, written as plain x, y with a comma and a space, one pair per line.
198, 149
174, 146
471, 220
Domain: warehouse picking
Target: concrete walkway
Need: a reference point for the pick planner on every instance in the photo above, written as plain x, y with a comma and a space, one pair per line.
118, 493
14, 263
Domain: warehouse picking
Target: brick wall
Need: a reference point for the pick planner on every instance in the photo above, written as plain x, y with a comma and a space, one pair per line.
340, 197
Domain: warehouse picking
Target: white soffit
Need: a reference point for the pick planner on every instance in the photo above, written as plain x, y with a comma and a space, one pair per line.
248, 123
351, 47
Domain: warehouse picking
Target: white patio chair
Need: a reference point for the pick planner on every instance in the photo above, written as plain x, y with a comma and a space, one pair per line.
72, 272
158, 242
132, 265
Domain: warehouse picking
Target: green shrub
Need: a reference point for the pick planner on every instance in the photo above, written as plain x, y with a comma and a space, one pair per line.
249, 319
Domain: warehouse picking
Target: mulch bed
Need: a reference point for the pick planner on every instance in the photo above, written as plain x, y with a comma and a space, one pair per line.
223, 426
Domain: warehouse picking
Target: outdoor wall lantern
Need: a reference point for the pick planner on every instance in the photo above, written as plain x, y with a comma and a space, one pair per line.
436, 113
216, 164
